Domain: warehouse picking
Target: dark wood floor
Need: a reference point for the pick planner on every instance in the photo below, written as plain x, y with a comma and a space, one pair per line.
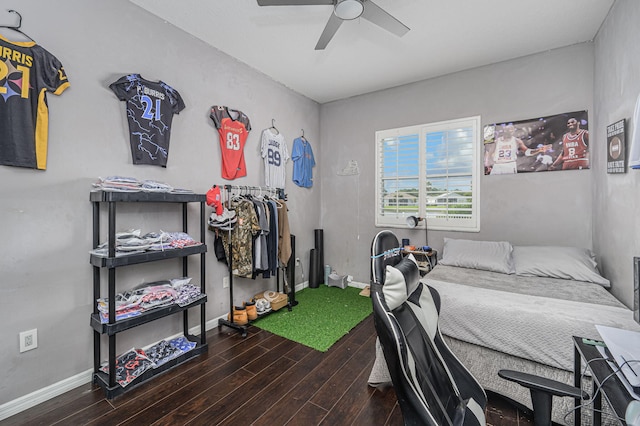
262, 379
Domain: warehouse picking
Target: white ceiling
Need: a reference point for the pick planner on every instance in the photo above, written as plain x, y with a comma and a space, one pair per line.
446, 36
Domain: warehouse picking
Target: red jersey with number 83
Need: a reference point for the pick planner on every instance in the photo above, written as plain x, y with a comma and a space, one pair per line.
233, 127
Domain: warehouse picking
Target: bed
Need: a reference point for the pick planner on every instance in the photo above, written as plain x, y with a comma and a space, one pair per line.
517, 307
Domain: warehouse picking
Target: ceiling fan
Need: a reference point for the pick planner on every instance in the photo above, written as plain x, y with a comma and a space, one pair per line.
346, 10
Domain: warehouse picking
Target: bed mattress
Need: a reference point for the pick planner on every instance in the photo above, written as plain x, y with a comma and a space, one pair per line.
532, 318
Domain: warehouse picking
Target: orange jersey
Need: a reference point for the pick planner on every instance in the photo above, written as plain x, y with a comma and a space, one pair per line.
233, 135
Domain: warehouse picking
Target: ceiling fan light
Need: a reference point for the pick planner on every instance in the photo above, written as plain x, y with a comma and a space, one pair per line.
348, 9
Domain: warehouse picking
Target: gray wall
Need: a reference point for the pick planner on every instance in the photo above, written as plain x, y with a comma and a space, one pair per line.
551, 208
45, 217
616, 204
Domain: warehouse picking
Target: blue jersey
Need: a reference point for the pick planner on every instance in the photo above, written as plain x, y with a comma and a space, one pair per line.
303, 163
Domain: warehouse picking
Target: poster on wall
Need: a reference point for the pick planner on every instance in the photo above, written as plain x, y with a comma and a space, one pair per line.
616, 148
557, 142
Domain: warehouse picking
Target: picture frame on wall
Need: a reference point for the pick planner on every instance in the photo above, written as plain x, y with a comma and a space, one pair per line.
557, 142
616, 147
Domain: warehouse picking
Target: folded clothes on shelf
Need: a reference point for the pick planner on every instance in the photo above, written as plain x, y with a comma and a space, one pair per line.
146, 297
131, 184
131, 241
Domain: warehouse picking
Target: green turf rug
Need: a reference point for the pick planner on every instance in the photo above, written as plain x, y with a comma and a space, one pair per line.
322, 316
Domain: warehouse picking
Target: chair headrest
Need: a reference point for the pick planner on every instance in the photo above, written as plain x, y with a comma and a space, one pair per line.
384, 251
400, 281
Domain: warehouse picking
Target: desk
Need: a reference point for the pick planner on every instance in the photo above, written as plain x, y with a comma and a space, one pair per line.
427, 260
613, 390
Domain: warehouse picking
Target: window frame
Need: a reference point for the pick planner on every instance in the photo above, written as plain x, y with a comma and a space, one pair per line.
421, 130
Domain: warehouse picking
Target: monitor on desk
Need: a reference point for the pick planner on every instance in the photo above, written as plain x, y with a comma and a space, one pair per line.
624, 347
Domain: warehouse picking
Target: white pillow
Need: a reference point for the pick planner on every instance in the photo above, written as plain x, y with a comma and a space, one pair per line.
570, 263
395, 286
486, 255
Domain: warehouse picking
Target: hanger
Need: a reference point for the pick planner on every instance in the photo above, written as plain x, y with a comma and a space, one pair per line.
236, 194
273, 126
17, 28
303, 138
278, 203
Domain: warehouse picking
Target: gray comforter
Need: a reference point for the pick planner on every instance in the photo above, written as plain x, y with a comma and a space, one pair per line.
529, 317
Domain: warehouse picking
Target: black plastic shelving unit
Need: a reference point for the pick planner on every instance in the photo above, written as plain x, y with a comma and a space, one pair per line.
110, 262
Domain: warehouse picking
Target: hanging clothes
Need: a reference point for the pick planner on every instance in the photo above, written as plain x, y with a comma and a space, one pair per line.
303, 163
242, 235
284, 233
276, 154
150, 107
260, 257
233, 128
272, 239
24, 116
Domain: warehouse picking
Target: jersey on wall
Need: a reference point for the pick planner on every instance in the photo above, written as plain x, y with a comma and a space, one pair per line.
276, 154
233, 127
150, 109
27, 73
303, 162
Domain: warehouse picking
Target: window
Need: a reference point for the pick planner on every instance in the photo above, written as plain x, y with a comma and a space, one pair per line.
430, 170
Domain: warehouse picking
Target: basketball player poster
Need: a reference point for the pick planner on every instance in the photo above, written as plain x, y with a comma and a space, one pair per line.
557, 142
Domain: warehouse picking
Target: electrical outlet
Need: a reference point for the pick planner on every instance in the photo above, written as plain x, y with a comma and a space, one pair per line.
28, 340
225, 282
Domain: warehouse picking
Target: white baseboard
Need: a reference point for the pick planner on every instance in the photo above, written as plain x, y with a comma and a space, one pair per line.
357, 284
302, 286
25, 402
18, 405
351, 284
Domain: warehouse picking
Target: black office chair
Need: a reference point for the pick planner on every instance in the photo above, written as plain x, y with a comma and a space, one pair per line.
432, 386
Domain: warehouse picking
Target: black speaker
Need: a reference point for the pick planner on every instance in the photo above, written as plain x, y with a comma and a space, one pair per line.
291, 272
319, 242
314, 282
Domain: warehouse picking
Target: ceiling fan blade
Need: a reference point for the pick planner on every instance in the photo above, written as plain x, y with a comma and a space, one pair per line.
374, 13
329, 31
293, 2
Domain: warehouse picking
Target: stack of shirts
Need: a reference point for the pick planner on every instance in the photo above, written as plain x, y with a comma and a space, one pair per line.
129, 184
129, 366
134, 302
164, 351
131, 242
224, 221
118, 184
145, 297
133, 363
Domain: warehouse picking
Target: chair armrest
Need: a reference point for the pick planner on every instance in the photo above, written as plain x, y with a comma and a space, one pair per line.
543, 384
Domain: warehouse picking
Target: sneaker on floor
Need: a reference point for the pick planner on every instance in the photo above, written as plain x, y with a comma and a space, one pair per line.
262, 306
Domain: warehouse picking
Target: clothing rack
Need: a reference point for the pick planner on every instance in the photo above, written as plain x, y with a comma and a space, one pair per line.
256, 191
